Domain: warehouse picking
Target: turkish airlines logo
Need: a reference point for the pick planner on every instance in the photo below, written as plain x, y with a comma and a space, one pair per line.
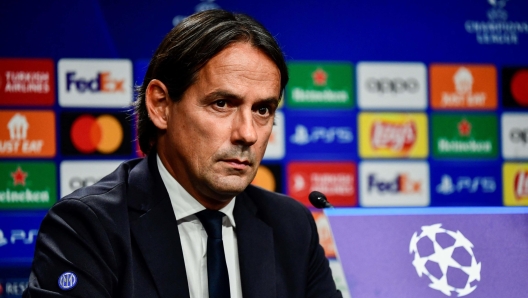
96, 134
27, 133
460, 87
394, 136
392, 85
95, 83
521, 185
27, 82
336, 180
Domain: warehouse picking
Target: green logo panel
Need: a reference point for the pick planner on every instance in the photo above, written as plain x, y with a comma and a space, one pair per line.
27, 185
319, 85
466, 136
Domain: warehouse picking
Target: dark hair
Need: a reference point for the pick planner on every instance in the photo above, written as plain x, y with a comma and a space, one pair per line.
188, 47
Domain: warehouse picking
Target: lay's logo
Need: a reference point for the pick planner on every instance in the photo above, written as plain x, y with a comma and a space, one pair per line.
515, 181
393, 135
95, 82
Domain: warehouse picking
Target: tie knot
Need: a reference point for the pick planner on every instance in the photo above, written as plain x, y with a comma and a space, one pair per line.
212, 222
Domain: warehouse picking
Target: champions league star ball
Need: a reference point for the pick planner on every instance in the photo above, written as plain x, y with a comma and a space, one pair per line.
447, 259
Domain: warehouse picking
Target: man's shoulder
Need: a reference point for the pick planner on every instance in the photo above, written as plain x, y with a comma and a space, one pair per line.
275, 206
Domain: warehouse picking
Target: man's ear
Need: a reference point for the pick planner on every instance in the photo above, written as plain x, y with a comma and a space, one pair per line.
157, 101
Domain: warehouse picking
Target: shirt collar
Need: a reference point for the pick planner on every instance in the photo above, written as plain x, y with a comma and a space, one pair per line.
182, 202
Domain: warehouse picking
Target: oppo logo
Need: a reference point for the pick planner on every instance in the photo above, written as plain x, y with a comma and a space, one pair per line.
78, 182
395, 86
518, 135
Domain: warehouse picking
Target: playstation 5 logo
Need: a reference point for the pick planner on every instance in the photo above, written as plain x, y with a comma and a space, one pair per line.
3, 241
302, 136
471, 185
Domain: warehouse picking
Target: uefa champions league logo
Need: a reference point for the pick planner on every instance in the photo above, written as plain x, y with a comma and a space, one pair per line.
447, 259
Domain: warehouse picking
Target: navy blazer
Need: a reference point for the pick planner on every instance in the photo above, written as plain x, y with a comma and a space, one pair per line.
120, 238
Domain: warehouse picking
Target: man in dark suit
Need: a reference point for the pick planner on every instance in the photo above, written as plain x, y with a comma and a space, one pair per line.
184, 221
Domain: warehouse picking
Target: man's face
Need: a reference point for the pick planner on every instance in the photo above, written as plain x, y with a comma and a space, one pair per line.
217, 133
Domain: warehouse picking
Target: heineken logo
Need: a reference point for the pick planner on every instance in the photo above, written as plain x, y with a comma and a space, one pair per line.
464, 128
319, 77
319, 85
27, 185
19, 177
394, 136
470, 136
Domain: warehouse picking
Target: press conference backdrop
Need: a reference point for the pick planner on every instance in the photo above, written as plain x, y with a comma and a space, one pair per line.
390, 103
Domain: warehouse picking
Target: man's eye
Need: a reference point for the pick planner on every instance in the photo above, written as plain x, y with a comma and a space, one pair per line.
221, 103
263, 111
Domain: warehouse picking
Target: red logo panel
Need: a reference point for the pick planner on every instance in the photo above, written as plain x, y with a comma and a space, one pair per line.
26, 82
337, 180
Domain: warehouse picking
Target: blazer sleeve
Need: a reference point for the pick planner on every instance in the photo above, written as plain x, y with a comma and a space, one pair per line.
320, 282
72, 239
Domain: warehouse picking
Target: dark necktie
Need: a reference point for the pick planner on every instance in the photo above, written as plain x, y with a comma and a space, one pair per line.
217, 275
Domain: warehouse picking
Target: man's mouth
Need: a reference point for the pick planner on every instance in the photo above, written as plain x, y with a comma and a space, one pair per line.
239, 164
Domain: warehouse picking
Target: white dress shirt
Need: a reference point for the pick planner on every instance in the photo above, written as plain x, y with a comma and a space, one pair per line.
193, 238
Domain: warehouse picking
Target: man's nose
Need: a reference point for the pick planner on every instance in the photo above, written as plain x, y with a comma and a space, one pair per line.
243, 130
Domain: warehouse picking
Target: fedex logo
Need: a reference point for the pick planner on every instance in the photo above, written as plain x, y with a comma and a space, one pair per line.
95, 83
102, 82
403, 183
388, 183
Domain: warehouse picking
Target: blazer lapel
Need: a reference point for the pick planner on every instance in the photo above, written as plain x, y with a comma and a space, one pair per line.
255, 251
155, 230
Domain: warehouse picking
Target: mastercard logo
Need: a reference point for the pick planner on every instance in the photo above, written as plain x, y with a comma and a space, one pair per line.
519, 87
103, 134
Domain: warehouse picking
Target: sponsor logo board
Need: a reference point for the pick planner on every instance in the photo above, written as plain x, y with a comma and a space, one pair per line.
459, 87
393, 135
314, 84
515, 184
464, 135
514, 130
95, 134
276, 147
470, 184
384, 184
392, 85
337, 180
26, 82
27, 185
269, 176
77, 174
310, 134
95, 83
27, 133
515, 87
